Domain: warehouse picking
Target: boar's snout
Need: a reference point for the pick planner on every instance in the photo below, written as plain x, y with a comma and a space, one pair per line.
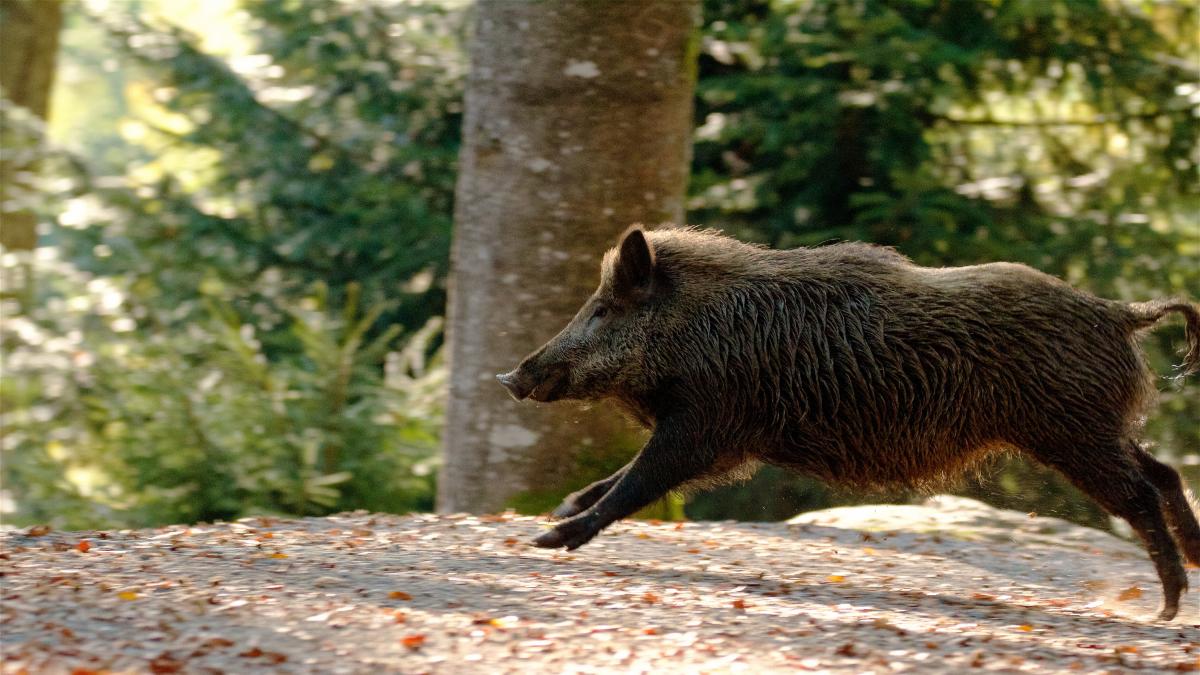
535, 381
513, 385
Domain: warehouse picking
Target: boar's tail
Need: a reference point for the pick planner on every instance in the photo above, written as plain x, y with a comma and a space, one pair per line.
1147, 314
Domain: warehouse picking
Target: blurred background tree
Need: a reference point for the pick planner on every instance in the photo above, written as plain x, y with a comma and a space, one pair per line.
578, 123
29, 33
245, 224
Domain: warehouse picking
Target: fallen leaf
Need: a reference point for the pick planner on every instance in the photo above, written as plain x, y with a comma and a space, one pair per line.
1025, 627
1127, 649
651, 630
835, 578
218, 643
399, 595
740, 604
83, 546
127, 595
1131, 593
165, 663
413, 641
650, 598
884, 624
252, 653
38, 531
504, 621
278, 555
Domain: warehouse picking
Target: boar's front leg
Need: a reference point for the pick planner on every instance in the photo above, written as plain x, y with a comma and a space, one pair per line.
579, 501
670, 459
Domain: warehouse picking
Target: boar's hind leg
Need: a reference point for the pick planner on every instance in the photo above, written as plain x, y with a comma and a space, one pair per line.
669, 460
581, 500
1175, 503
1112, 476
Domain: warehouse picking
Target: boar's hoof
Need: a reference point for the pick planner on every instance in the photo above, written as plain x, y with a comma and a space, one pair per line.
570, 534
1169, 610
551, 539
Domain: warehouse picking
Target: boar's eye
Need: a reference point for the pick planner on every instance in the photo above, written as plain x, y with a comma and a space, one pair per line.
600, 312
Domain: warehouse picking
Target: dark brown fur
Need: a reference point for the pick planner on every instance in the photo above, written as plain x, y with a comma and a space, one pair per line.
850, 363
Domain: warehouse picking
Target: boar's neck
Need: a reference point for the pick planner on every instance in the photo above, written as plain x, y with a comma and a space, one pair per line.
638, 409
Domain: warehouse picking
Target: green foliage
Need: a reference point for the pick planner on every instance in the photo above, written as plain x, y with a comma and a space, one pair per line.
237, 232
333, 162
108, 424
954, 131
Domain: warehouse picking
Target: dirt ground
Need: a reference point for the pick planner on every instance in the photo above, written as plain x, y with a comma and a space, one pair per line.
358, 593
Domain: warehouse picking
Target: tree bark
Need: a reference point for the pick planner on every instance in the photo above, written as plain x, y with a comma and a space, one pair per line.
29, 31
578, 122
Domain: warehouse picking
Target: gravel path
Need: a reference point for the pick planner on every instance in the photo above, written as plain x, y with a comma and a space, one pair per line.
359, 593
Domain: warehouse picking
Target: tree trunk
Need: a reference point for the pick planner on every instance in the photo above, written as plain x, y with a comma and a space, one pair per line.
578, 122
29, 32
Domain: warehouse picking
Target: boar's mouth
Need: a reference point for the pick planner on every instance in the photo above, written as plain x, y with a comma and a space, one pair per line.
550, 387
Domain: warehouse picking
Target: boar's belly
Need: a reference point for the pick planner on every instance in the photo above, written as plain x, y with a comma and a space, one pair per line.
882, 462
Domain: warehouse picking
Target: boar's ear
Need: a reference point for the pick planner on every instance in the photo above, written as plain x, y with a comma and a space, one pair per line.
635, 263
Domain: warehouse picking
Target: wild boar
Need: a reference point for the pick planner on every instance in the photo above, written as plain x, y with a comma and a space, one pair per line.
850, 363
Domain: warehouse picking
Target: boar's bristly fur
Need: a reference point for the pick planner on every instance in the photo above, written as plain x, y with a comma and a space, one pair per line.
850, 363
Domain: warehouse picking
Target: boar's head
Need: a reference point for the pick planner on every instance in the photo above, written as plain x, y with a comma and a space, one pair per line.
601, 351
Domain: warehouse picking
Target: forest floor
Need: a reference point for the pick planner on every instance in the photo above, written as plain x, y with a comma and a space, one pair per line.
953, 587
